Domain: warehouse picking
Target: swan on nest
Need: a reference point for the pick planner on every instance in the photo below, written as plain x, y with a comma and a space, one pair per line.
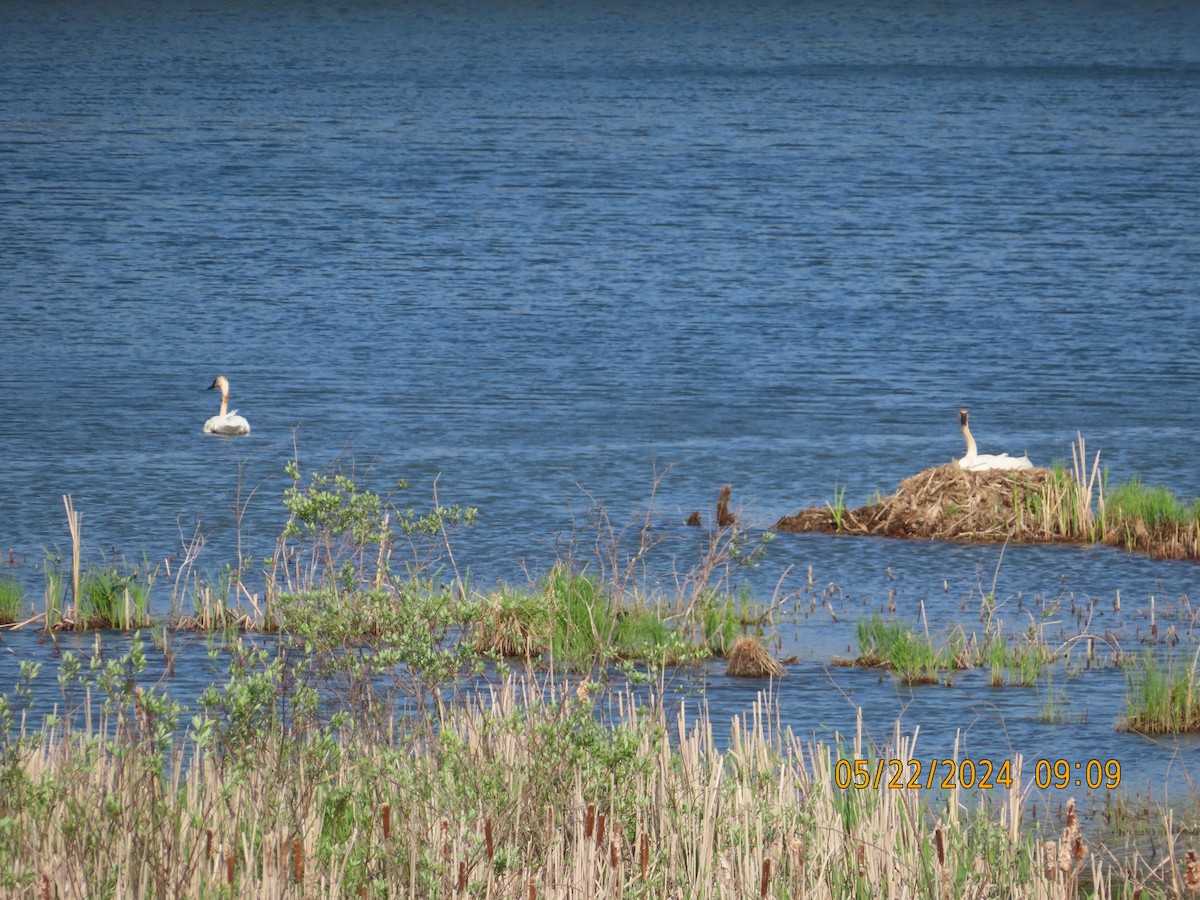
974, 461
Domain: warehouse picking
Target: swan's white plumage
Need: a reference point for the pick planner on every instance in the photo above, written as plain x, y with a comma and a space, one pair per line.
225, 422
973, 461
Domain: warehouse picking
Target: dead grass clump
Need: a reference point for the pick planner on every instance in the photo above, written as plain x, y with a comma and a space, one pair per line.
750, 659
943, 503
1162, 540
513, 626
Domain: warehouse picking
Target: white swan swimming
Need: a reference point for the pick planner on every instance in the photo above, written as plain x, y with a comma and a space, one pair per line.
225, 422
976, 462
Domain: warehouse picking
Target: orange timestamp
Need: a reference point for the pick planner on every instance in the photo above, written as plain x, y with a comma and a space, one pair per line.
970, 774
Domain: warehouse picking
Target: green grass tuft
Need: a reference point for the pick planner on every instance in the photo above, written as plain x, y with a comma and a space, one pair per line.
10, 601
912, 658
1163, 698
1153, 504
108, 599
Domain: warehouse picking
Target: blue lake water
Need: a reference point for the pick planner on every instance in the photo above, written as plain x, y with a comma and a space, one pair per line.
539, 254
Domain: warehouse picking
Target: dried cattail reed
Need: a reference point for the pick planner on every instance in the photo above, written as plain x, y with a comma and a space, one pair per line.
208, 842
766, 878
229, 866
1050, 858
487, 833
387, 821
1072, 848
73, 523
1191, 873
725, 519
589, 821
1064, 856
1078, 848
298, 860
600, 829
462, 877
644, 854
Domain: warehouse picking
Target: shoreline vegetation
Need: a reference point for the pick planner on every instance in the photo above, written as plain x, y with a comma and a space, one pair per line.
408, 735
532, 788
1055, 505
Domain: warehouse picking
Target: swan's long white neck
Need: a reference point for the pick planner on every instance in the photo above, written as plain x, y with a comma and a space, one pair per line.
224, 401
971, 449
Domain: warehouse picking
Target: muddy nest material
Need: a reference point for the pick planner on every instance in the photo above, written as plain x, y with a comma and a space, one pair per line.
944, 503
750, 659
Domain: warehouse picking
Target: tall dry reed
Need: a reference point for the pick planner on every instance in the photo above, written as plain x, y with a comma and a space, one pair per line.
509, 795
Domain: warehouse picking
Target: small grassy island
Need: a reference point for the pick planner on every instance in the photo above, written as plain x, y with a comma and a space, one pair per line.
1024, 505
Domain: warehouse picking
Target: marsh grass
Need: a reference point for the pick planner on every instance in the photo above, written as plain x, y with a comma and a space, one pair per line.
55, 587
524, 789
212, 612
109, 599
1027, 660
1151, 519
837, 508
1154, 505
569, 621
995, 657
513, 623
1163, 697
911, 657
720, 622
642, 634
590, 628
1055, 708
584, 619
10, 601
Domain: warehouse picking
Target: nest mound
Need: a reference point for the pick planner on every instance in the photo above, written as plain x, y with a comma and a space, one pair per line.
750, 659
942, 503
